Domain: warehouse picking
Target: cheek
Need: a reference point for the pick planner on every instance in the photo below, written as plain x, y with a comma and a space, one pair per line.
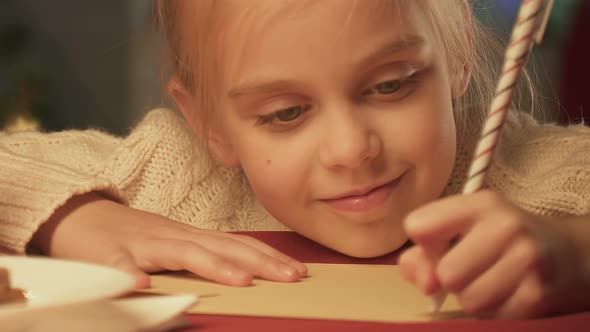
436, 127
277, 167
434, 136
425, 138
277, 176
435, 150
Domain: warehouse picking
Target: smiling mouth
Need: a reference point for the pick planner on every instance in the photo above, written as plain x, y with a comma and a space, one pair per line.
364, 199
360, 192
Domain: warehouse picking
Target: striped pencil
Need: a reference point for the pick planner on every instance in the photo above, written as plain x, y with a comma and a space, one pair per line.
529, 28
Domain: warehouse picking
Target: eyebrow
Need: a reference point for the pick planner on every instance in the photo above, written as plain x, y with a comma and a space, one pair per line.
268, 87
405, 43
256, 87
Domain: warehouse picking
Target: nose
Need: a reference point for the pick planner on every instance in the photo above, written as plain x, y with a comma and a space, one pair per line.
349, 142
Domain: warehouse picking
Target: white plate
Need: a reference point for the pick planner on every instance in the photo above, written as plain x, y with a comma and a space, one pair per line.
52, 282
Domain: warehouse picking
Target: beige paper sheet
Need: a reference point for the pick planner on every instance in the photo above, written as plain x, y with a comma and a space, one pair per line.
332, 291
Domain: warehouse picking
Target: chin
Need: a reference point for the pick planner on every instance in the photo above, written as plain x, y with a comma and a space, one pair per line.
369, 247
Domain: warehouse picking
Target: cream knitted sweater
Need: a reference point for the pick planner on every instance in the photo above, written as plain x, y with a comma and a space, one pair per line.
160, 167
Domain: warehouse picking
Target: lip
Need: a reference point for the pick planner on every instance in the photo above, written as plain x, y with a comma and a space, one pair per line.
361, 200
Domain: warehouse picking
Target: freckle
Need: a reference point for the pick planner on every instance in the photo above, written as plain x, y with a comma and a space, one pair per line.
268, 162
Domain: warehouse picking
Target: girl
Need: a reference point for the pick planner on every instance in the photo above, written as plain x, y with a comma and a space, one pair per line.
342, 120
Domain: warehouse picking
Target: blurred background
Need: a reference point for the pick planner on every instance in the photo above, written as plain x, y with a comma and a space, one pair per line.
79, 63
82, 63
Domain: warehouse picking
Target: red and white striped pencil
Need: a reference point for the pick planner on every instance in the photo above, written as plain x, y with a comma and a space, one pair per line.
529, 29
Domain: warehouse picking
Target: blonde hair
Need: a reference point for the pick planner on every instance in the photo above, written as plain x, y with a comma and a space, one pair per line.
464, 41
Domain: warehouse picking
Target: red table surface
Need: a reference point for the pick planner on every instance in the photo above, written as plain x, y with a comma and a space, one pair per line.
308, 251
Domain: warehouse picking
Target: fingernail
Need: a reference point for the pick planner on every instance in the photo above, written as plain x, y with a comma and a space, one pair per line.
237, 274
436, 301
287, 271
301, 268
142, 281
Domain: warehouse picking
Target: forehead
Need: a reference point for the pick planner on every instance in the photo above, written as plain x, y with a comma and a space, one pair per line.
235, 18
262, 15
250, 34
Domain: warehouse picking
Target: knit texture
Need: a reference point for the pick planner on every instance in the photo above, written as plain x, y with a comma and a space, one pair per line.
162, 168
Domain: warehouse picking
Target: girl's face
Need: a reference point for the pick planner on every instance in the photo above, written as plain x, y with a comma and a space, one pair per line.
340, 115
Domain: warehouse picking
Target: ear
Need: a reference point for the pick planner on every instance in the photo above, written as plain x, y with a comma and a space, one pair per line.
460, 81
184, 100
223, 150
212, 135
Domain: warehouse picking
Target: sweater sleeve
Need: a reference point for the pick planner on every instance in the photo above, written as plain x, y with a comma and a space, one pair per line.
39, 172
544, 168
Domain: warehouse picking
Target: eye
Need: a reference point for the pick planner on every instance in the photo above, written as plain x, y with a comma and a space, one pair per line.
393, 90
289, 114
284, 116
388, 87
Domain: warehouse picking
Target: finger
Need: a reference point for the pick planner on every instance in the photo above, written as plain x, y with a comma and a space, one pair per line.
196, 235
250, 259
124, 262
494, 287
478, 250
272, 252
416, 267
408, 263
175, 255
527, 301
437, 223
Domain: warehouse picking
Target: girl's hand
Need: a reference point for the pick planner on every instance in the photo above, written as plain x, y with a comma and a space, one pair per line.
91, 228
506, 262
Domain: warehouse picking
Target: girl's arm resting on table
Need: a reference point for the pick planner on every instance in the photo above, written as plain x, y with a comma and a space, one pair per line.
91, 228
54, 189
